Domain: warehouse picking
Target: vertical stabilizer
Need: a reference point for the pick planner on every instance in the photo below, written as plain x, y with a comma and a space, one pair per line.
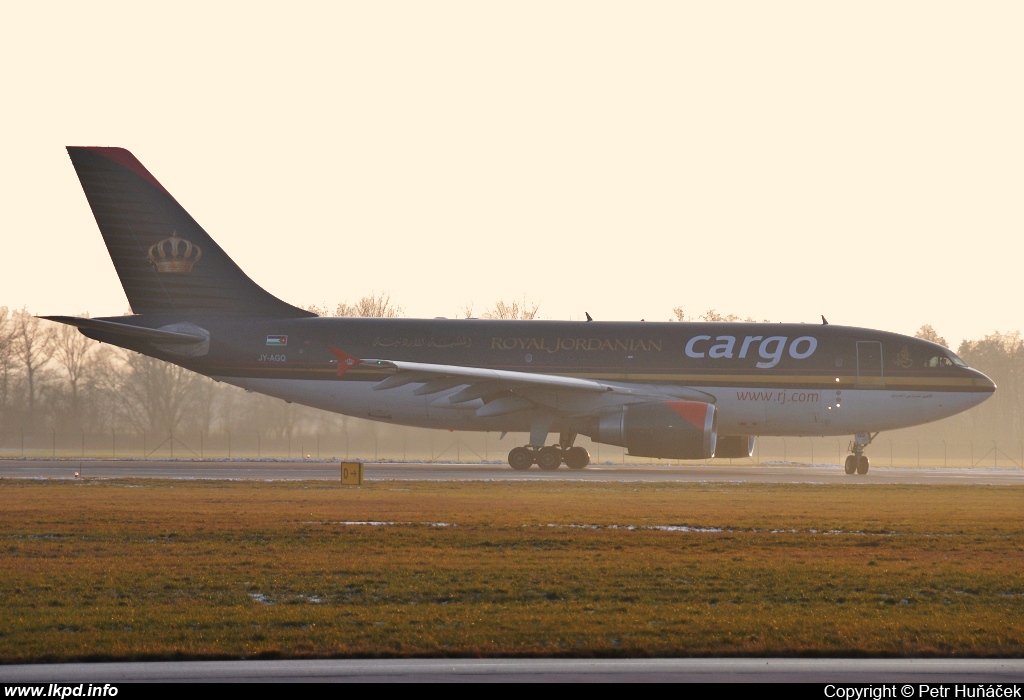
165, 260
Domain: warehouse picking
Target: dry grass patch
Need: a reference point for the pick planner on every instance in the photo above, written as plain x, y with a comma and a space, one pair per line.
160, 569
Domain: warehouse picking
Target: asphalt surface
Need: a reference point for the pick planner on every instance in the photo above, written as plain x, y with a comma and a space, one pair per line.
533, 670
305, 470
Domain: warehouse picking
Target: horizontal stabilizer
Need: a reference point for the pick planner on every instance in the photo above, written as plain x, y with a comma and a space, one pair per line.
123, 330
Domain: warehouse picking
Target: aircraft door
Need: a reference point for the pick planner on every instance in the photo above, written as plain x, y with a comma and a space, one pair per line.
870, 371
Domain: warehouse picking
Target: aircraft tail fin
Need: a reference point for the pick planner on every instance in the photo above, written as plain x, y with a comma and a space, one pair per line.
165, 260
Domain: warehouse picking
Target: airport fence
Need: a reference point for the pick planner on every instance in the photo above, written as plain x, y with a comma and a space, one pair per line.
391, 443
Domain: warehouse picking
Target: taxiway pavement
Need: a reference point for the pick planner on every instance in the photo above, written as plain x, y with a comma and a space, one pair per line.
532, 670
262, 470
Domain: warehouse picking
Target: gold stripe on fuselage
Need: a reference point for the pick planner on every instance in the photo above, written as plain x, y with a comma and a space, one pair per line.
819, 381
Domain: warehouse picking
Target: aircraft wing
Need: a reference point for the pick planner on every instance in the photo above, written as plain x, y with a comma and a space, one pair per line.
495, 392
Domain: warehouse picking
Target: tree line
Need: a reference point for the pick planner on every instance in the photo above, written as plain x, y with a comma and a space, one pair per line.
54, 378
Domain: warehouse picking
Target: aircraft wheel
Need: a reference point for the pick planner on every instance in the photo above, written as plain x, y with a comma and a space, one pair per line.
520, 459
851, 464
549, 458
577, 458
862, 466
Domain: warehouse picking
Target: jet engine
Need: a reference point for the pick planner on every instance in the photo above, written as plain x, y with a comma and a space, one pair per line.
666, 429
735, 446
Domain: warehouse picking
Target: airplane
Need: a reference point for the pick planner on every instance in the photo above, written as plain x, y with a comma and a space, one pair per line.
685, 391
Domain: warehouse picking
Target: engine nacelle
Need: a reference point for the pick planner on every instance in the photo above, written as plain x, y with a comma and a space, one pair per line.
666, 429
735, 446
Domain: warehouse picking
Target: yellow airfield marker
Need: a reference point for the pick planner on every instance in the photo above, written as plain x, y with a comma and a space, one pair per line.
351, 473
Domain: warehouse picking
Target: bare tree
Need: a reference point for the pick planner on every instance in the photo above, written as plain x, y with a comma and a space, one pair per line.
372, 306
33, 347
271, 416
6, 355
71, 352
712, 316
158, 396
100, 403
512, 311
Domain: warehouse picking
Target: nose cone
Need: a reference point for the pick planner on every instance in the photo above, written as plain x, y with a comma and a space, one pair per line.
981, 389
982, 383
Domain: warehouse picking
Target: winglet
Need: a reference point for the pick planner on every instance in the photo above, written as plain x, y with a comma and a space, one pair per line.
345, 361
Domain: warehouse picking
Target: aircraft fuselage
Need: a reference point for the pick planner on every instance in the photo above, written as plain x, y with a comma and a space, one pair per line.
764, 378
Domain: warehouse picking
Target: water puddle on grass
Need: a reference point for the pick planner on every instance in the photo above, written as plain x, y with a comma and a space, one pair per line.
697, 529
376, 523
662, 528
264, 599
730, 530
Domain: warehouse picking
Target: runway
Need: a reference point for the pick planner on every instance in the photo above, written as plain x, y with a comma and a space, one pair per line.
839, 671
264, 470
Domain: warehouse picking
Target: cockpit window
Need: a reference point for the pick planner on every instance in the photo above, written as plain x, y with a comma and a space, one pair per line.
939, 361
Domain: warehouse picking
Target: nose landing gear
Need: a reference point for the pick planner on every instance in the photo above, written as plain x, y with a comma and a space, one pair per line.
551, 457
858, 463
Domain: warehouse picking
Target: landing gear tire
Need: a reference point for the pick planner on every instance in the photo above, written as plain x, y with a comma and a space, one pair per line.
857, 463
577, 458
520, 459
549, 458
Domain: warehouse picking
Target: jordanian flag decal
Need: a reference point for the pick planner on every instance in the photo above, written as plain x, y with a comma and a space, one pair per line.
277, 341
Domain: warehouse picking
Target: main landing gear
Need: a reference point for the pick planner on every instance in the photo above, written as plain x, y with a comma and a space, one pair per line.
857, 463
551, 457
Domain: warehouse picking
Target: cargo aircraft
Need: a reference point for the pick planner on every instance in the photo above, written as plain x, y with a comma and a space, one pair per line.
664, 390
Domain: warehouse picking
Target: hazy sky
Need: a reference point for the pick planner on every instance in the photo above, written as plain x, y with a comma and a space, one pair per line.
773, 159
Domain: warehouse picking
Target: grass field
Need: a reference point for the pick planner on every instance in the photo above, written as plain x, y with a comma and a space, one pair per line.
158, 569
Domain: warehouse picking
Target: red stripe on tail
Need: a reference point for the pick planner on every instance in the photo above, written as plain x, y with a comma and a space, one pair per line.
125, 159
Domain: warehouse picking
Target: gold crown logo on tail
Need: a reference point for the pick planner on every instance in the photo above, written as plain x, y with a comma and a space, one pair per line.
174, 254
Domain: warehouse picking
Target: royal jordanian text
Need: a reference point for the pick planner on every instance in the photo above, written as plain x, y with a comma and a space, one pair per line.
553, 345
923, 690
59, 690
